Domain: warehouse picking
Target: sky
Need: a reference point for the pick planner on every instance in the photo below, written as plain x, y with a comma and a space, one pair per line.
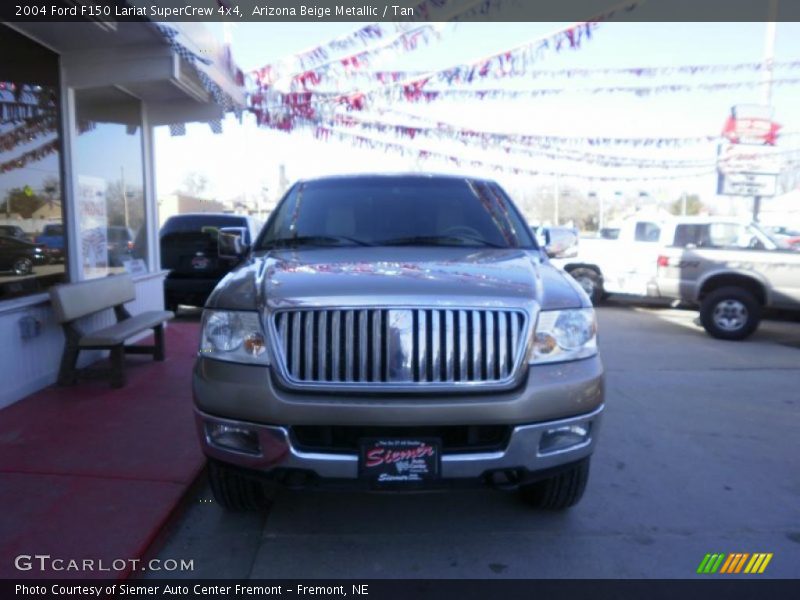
245, 159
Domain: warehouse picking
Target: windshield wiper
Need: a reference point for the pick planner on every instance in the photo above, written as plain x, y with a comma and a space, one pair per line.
438, 240
316, 240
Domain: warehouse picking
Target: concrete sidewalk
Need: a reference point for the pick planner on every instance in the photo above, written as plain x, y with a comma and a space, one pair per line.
89, 472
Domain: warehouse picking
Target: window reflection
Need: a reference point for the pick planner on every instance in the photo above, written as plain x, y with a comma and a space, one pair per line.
31, 229
110, 181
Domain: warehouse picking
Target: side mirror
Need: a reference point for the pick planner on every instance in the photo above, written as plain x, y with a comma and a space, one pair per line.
231, 243
563, 245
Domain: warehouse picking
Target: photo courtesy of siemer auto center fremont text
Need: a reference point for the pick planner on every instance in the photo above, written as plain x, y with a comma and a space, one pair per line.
419, 299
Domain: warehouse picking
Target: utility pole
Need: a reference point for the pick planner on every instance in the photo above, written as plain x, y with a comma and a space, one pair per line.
769, 58
556, 194
683, 203
601, 223
124, 194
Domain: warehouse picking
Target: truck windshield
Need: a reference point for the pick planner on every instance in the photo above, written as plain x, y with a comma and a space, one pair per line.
397, 211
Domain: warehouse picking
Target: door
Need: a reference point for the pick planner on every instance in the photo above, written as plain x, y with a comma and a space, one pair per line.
631, 266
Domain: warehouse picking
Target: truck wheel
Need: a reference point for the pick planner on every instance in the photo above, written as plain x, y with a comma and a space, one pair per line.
170, 304
591, 282
23, 266
237, 492
730, 313
559, 492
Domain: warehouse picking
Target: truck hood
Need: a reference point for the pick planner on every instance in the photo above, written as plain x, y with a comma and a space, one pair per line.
352, 276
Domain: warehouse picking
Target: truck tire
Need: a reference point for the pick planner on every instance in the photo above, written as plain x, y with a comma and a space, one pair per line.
237, 492
730, 313
23, 266
170, 304
559, 492
591, 282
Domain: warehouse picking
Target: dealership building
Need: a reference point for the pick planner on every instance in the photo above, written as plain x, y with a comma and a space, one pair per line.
78, 104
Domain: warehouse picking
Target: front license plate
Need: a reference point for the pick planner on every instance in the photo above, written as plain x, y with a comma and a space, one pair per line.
400, 461
200, 263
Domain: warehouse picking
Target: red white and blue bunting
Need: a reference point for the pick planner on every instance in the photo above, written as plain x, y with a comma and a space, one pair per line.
361, 141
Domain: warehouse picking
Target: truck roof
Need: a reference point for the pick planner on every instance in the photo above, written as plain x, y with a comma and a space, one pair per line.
397, 175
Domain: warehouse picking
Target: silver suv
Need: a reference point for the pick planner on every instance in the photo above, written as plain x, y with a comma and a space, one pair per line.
397, 332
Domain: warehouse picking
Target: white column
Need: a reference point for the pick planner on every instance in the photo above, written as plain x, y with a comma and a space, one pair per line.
69, 183
150, 193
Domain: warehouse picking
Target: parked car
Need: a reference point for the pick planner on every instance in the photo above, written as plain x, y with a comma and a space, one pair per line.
189, 251
120, 245
785, 235
52, 237
19, 257
397, 332
14, 231
732, 270
609, 233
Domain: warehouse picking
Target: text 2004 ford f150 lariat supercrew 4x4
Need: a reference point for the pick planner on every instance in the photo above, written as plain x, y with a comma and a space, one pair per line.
397, 331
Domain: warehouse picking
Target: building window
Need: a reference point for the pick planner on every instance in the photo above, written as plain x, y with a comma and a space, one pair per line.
109, 182
32, 248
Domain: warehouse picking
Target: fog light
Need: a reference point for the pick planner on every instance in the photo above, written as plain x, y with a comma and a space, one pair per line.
233, 438
562, 438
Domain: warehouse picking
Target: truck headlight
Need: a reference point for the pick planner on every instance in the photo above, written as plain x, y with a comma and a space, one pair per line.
563, 335
235, 336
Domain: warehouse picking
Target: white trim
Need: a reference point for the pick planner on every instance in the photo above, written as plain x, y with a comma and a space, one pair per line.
159, 274
125, 65
71, 227
150, 192
30, 36
27, 388
16, 304
24, 302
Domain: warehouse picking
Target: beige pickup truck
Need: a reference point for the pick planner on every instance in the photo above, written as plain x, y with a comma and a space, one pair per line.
397, 332
731, 269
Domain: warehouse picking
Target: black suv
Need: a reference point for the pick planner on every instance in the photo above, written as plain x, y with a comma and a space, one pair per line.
189, 252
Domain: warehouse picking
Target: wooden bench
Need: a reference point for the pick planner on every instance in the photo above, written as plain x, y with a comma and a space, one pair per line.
74, 301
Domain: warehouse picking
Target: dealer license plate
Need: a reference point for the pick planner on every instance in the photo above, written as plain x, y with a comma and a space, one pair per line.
400, 461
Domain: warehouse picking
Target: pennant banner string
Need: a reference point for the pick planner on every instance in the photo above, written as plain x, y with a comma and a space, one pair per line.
500, 93
325, 133
754, 67
570, 36
510, 145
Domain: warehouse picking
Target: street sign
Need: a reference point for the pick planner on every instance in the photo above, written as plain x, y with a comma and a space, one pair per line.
751, 124
739, 158
747, 184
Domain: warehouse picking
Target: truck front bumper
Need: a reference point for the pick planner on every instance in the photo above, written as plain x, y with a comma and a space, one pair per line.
530, 448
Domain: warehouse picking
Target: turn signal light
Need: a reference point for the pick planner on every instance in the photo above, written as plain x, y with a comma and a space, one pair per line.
663, 261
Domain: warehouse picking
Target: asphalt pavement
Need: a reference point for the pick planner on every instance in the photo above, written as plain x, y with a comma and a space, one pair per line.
699, 453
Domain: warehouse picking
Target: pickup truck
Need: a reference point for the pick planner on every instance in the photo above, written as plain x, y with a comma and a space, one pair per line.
188, 245
52, 238
624, 263
396, 332
731, 269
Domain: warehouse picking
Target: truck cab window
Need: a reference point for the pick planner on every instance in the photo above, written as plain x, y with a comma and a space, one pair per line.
647, 232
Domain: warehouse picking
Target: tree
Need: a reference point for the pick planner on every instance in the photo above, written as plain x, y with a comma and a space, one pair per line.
117, 203
693, 205
194, 184
23, 202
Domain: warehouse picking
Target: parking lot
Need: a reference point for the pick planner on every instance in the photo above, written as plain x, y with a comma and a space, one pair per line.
698, 454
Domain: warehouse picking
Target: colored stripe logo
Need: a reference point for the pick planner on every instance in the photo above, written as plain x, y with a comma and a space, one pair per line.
734, 562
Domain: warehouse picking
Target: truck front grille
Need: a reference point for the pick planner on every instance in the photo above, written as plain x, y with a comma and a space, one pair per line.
399, 346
